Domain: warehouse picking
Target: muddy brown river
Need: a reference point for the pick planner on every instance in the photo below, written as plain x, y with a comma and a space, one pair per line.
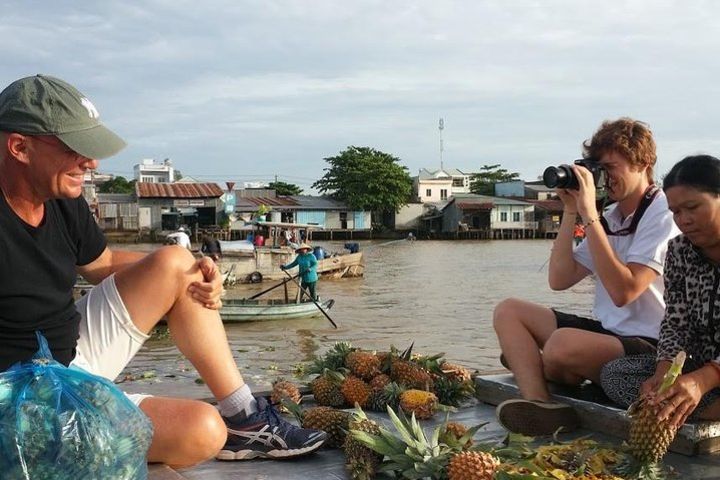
438, 294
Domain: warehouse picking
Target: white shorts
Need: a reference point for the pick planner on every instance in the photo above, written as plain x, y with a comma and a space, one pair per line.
108, 337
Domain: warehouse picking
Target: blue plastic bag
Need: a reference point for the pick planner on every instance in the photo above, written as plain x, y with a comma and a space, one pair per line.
64, 423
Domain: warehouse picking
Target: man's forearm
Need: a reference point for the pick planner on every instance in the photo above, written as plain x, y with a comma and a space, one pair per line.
109, 262
562, 261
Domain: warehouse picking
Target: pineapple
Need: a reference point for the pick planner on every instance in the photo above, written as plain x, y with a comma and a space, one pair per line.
472, 466
332, 421
362, 461
379, 381
410, 375
380, 399
355, 391
452, 392
282, 389
408, 452
453, 432
457, 373
364, 365
334, 359
326, 389
650, 438
423, 404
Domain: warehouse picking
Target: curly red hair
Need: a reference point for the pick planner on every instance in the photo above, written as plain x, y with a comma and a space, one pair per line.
630, 138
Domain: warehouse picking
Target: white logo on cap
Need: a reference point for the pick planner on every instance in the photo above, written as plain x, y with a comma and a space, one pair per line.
92, 111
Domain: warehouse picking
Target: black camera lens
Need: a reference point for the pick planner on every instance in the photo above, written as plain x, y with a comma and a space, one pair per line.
555, 177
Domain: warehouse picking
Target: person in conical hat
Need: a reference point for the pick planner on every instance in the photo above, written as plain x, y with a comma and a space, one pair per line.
307, 266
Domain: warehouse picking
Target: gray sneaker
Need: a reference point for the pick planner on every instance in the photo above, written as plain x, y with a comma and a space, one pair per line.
266, 434
535, 418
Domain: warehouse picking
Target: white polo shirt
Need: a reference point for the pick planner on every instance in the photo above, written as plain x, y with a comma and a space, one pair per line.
647, 246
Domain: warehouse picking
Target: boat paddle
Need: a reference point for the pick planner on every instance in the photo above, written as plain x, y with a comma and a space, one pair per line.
273, 287
302, 289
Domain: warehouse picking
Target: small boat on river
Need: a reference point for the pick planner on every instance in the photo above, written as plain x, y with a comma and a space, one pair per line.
260, 259
246, 310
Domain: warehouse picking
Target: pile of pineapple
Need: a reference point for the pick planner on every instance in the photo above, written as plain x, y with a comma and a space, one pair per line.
410, 387
349, 377
449, 453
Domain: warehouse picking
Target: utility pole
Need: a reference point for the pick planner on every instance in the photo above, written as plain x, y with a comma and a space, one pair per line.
441, 127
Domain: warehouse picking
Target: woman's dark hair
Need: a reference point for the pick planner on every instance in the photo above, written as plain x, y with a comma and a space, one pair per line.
701, 172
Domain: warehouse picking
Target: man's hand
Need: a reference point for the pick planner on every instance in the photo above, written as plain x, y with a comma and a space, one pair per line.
208, 291
569, 203
585, 195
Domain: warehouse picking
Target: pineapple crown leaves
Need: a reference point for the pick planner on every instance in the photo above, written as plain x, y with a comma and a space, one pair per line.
335, 377
409, 453
459, 443
334, 359
673, 372
453, 393
632, 469
295, 409
503, 475
668, 380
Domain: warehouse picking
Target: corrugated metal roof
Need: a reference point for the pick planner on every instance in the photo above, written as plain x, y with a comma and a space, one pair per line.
322, 203
177, 190
465, 205
281, 201
549, 205
470, 197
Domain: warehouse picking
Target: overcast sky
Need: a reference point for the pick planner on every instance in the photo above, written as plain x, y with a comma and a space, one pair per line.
245, 90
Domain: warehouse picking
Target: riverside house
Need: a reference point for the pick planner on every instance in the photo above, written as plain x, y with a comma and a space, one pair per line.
335, 219
481, 216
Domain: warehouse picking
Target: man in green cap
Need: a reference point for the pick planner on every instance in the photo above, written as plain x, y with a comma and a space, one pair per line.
50, 136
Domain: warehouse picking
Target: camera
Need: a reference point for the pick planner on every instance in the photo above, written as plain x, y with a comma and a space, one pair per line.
563, 176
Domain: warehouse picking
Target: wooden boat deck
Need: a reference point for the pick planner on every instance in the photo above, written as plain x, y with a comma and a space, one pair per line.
329, 464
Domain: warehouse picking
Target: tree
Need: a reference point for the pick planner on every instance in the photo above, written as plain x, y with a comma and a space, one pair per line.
117, 185
282, 188
366, 179
483, 182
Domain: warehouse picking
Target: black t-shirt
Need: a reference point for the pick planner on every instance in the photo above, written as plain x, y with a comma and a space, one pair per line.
37, 277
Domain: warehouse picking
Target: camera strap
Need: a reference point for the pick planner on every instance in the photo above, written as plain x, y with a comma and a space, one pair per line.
645, 202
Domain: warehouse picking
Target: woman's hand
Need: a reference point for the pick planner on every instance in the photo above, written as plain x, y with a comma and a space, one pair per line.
680, 400
208, 291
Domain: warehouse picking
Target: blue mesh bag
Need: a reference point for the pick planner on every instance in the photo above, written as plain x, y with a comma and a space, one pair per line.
64, 423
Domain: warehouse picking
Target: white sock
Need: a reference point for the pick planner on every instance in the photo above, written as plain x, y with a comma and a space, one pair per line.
240, 401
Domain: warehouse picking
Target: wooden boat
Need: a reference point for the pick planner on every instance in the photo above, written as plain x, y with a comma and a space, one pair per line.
255, 263
244, 310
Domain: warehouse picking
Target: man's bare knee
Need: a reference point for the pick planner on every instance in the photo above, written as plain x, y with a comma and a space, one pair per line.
558, 354
204, 434
505, 312
176, 263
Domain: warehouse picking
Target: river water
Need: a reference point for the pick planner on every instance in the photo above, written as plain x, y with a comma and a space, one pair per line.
438, 294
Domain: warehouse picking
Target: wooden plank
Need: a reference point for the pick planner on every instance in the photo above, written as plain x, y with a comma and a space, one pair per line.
692, 438
163, 472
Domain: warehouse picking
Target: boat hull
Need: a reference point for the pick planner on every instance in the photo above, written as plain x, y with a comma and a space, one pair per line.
249, 311
267, 261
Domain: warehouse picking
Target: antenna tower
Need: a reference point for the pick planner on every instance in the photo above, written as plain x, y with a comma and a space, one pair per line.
441, 127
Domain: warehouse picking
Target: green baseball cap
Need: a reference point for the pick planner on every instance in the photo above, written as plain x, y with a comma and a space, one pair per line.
44, 105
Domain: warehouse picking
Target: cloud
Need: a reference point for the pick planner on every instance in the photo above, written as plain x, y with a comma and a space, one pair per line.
252, 88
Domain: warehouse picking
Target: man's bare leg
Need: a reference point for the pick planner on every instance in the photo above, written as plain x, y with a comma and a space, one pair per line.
186, 432
157, 286
522, 329
572, 356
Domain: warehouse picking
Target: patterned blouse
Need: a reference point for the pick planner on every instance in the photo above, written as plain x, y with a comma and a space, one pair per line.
692, 299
